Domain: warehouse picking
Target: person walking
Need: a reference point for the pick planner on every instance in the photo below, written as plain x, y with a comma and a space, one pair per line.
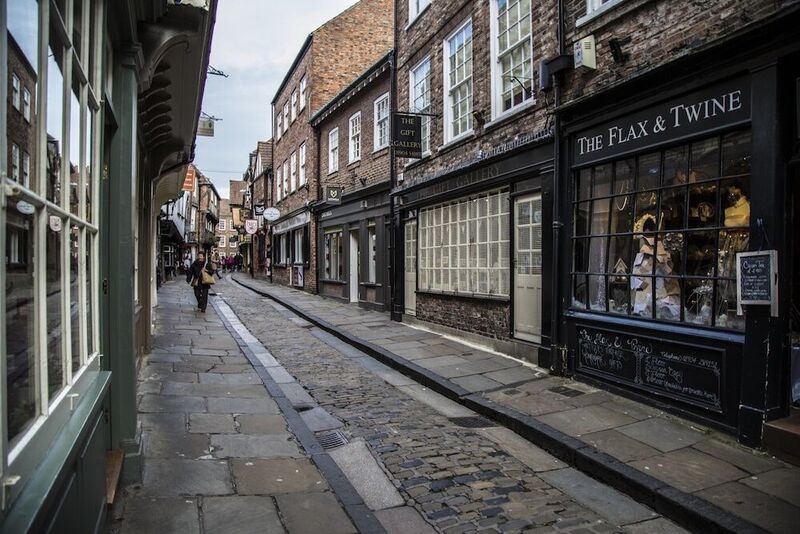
201, 277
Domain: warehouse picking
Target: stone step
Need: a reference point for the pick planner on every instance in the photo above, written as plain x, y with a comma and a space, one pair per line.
782, 437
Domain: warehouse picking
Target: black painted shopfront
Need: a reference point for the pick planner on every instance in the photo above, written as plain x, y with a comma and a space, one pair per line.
664, 181
472, 243
353, 241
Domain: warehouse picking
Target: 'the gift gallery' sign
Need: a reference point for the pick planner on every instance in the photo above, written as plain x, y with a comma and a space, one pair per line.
703, 111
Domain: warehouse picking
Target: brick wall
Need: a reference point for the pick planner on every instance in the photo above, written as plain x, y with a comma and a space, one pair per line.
225, 215
373, 167
426, 35
660, 31
483, 317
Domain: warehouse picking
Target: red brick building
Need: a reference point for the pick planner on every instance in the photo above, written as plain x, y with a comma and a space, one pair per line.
332, 56
353, 219
471, 68
260, 181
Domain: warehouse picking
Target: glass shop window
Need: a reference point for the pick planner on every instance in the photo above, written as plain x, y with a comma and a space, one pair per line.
333, 254
656, 235
372, 239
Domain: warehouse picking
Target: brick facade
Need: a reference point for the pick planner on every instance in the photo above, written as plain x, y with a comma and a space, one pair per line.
226, 216
661, 31
334, 55
483, 317
21, 132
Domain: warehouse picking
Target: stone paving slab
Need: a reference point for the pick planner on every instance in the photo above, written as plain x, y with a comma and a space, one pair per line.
211, 423
276, 476
175, 445
240, 515
254, 446
168, 478
360, 467
403, 520
313, 512
147, 515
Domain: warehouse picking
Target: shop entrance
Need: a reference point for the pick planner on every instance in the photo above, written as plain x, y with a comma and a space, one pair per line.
528, 268
410, 280
354, 265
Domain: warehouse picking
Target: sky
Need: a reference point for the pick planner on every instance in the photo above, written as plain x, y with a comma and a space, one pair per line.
254, 43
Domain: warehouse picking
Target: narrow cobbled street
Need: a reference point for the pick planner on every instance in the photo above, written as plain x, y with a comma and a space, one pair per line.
319, 437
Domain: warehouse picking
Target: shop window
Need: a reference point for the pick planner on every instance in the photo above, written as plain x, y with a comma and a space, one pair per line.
464, 246
420, 90
513, 52
297, 240
458, 86
333, 254
283, 257
656, 236
381, 115
372, 250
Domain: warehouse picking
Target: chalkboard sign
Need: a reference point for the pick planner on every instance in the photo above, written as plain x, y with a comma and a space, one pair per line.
757, 279
675, 370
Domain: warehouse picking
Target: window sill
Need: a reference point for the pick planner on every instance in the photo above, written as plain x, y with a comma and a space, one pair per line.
333, 172
353, 163
464, 137
380, 149
370, 284
417, 17
683, 329
336, 282
597, 13
512, 113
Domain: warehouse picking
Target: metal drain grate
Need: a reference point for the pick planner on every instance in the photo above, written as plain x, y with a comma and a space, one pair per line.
471, 422
567, 392
331, 440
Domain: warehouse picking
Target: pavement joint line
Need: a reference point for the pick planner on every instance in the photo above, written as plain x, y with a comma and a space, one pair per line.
689, 511
363, 518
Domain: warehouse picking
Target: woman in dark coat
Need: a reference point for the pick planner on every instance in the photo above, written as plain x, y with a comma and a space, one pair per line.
195, 277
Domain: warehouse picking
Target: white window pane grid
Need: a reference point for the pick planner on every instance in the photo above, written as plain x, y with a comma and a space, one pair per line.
382, 122
303, 84
333, 150
355, 138
421, 99
293, 165
460, 81
464, 246
303, 164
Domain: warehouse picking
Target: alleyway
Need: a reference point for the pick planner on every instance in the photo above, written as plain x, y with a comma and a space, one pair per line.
251, 425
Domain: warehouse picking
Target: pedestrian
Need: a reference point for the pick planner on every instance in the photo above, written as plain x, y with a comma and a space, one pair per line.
239, 262
215, 265
201, 277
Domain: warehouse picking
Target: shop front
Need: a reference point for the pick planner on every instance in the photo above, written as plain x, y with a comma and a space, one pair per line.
473, 248
662, 196
291, 237
353, 245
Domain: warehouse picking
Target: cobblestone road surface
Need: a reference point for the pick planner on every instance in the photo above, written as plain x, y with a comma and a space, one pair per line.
461, 479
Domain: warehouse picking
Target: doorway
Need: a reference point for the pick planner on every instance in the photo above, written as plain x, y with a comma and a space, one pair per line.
528, 268
410, 276
354, 265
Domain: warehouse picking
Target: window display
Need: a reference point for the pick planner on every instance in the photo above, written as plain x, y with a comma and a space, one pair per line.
656, 236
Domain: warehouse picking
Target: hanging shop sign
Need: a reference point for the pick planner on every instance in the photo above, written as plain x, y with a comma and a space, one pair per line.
55, 223
333, 194
259, 211
719, 106
407, 138
683, 372
272, 214
757, 280
188, 181
205, 128
251, 226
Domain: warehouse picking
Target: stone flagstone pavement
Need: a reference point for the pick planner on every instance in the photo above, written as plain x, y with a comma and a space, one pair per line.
219, 457
694, 459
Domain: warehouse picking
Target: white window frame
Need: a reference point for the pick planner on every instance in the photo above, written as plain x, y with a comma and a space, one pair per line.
354, 138
416, 8
221, 224
372, 251
303, 87
333, 258
464, 246
294, 105
222, 241
26, 169
14, 175
26, 104
297, 238
333, 151
282, 259
286, 178
286, 117
379, 121
16, 90
449, 135
595, 8
496, 69
413, 83
279, 183
302, 174
293, 171
278, 126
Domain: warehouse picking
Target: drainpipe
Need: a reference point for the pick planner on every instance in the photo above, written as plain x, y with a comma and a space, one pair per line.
313, 244
558, 353
395, 264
